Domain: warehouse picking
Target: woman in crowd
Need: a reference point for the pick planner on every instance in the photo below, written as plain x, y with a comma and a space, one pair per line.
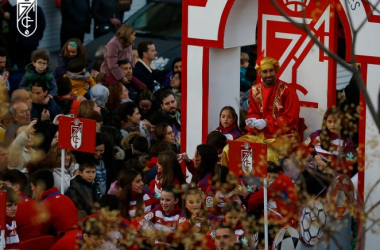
134, 201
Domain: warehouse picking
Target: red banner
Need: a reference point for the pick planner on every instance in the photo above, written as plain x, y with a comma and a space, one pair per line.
3, 204
77, 134
247, 158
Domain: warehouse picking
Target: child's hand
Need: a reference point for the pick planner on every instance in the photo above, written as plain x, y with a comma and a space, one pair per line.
240, 189
46, 100
86, 86
184, 157
45, 115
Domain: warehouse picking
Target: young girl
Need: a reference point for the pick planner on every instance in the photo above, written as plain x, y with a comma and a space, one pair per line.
165, 217
326, 145
198, 222
169, 173
228, 123
133, 199
73, 48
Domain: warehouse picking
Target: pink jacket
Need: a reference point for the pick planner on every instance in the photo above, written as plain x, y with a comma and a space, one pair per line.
115, 52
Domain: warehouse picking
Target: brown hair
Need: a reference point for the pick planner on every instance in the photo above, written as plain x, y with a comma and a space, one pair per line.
114, 97
124, 182
81, 52
124, 33
40, 54
54, 156
170, 168
85, 107
325, 134
160, 131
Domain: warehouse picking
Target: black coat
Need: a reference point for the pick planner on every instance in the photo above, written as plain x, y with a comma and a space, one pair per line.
84, 194
144, 75
103, 10
76, 15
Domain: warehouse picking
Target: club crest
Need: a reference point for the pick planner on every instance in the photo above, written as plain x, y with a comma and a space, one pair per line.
26, 17
76, 133
246, 158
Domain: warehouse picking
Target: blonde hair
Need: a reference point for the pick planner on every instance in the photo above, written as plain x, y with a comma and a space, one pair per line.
244, 57
4, 112
124, 35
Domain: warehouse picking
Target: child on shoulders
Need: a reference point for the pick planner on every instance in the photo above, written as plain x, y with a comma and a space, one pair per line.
81, 79
39, 69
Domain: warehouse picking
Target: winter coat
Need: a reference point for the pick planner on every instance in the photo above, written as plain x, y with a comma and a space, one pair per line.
84, 194
31, 75
77, 81
68, 176
76, 16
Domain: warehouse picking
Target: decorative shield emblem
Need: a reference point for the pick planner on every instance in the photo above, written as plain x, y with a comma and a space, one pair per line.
26, 17
76, 133
246, 158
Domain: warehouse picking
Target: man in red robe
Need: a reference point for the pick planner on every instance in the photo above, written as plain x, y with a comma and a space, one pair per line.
273, 113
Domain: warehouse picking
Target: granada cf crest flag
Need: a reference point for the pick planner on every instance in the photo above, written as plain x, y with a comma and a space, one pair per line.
247, 158
77, 134
26, 17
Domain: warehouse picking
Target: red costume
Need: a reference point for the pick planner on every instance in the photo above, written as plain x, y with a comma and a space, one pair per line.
61, 213
279, 106
27, 226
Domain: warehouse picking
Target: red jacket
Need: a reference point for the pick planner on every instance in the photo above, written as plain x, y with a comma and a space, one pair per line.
27, 212
59, 212
71, 240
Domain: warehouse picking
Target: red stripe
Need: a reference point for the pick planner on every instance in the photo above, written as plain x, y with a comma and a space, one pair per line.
185, 16
333, 43
361, 159
205, 91
223, 21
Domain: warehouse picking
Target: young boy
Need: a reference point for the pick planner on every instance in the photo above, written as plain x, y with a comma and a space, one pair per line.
39, 69
11, 233
68, 104
244, 83
27, 209
83, 190
81, 79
